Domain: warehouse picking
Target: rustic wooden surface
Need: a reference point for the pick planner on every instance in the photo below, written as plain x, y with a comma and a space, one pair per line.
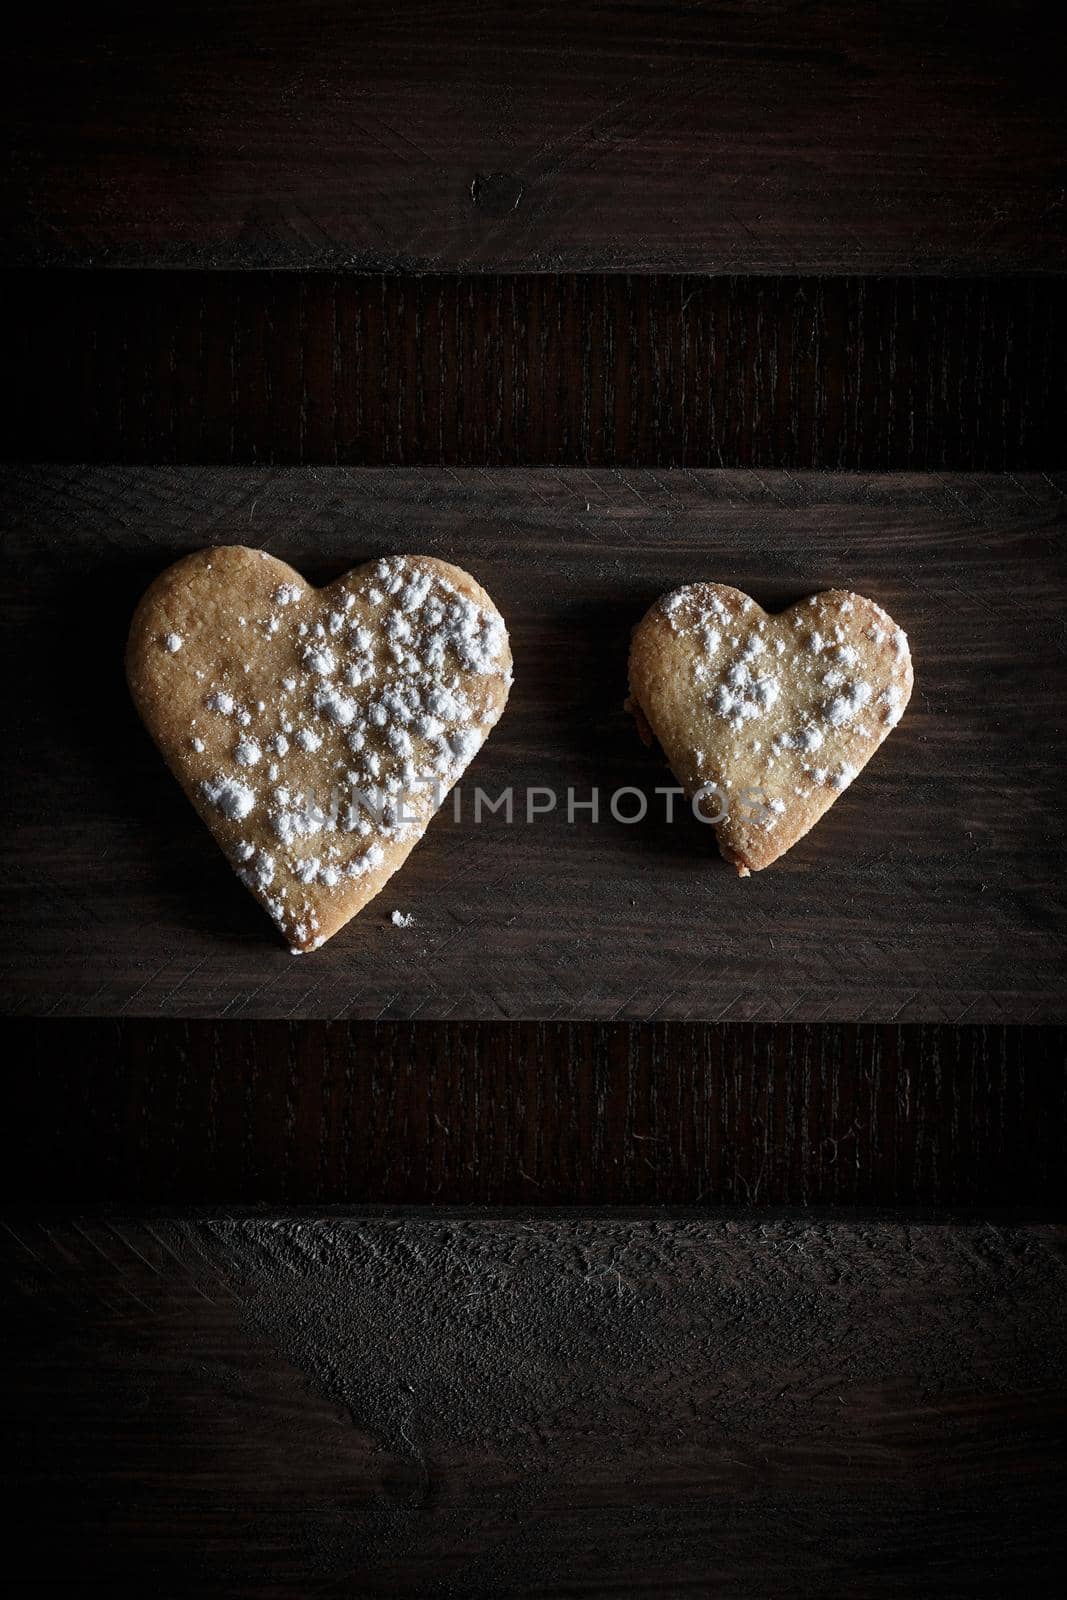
856, 373
933, 891
540, 1404
735, 137
531, 1405
150, 1113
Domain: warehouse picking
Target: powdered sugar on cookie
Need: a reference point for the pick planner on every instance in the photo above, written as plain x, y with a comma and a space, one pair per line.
742, 701
355, 711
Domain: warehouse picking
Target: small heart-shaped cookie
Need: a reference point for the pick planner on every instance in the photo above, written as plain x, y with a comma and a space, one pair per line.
316, 731
773, 715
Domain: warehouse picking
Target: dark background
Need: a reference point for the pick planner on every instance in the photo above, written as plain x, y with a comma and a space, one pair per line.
759, 1305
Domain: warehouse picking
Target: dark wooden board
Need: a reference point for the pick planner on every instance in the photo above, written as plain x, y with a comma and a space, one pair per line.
735, 137
856, 373
932, 892
145, 1112
531, 1406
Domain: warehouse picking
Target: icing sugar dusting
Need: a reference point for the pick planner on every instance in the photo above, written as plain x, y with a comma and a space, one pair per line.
336, 706
892, 698
248, 753
234, 799
321, 660
847, 705
744, 696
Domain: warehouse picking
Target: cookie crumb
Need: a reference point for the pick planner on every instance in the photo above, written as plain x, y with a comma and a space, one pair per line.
401, 919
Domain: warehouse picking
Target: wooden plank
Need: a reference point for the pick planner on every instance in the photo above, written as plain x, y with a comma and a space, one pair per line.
597, 137
150, 1113
911, 374
532, 1406
932, 892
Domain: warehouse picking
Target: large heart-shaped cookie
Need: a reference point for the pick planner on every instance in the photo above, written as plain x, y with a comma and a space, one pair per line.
316, 731
773, 716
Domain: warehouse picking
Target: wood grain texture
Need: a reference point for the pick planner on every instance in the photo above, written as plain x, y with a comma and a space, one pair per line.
932, 892
243, 368
150, 1113
735, 137
532, 1406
